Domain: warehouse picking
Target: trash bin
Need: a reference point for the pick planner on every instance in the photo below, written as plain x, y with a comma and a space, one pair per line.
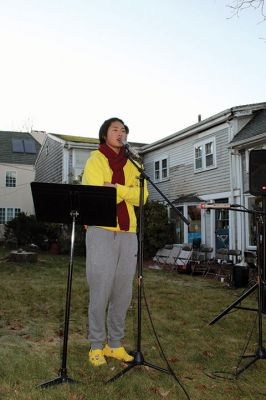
240, 275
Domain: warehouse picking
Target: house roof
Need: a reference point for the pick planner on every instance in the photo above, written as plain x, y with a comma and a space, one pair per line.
205, 124
82, 139
77, 139
18, 148
255, 127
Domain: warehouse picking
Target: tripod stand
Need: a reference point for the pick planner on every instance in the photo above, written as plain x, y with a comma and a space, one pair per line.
260, 286
72, 204
139, 359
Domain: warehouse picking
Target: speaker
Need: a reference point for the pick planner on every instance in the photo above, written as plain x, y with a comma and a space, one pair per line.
257, 172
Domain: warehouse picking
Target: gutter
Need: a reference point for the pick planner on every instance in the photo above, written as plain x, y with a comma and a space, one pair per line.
75, 145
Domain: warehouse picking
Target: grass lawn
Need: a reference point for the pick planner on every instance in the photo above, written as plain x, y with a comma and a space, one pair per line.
203, 357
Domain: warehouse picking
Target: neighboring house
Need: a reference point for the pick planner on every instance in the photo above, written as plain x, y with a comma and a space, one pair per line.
18, 152
62, 158
208, 162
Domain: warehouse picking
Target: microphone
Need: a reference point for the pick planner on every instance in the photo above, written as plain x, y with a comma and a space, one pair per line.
218, 206
130, 149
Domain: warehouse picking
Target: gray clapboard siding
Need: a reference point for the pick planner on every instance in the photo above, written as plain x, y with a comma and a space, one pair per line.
50, 162
183, 180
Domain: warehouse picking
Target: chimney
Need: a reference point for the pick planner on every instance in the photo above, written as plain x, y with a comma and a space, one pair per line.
199, 117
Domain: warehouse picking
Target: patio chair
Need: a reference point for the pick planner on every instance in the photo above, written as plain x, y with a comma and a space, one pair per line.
203, 262
173, 255
162, 254
182, 261
219, 268
235, 256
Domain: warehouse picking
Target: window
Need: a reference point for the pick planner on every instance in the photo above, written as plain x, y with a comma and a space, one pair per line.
161, 169
2, 215
11, 179
157, 170
24, 146
7, 214
164, 169
186, 233
178, 224
204, 155
194, 229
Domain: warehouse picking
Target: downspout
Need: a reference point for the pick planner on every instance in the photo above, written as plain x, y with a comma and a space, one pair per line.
242, 202
232, 217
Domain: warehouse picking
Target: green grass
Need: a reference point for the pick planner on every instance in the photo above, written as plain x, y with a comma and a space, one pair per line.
32, 298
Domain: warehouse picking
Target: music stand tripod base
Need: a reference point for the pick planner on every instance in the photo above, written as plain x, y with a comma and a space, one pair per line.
138, 361
57, 381
260, 355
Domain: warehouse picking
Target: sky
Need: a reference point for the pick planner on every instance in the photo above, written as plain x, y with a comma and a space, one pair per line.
68, 65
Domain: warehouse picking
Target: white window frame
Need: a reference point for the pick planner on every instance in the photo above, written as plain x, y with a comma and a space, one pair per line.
78, 169
160, 160
3, 212
11, 179
203, 143
9, 213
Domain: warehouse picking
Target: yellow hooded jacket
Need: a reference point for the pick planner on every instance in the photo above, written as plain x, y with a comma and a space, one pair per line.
97, 171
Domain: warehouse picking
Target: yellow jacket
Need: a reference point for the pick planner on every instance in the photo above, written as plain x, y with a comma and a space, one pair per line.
97, 171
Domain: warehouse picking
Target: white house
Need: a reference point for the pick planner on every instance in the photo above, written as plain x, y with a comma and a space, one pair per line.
208, 162
18, 152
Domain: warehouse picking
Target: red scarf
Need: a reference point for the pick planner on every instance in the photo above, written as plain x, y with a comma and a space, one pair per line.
117, 162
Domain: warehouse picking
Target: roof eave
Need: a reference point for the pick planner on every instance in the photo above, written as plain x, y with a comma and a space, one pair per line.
251, 140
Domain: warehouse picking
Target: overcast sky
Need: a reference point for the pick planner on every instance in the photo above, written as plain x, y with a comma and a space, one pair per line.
68, 65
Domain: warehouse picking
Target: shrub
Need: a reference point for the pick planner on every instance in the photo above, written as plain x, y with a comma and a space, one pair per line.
25, 230
157, 230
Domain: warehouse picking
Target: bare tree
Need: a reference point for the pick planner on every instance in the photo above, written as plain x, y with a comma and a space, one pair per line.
237, 6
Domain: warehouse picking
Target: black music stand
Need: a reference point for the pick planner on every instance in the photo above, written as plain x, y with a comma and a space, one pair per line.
86, 205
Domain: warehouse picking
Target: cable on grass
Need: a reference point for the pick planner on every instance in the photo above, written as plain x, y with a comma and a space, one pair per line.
161, 349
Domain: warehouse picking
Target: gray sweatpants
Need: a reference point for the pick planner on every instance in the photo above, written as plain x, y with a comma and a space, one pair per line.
110, 265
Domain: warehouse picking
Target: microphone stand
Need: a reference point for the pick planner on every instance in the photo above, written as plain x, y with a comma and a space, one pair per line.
138, 355
260, 285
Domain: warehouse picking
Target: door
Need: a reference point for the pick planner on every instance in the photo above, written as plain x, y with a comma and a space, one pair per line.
221, 227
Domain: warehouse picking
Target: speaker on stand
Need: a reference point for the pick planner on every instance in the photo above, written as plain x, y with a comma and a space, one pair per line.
257, 187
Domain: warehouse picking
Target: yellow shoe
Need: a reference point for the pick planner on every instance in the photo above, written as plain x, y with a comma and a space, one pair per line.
118, 353
96, 357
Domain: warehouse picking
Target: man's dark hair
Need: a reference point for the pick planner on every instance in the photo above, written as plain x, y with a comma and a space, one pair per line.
105, 126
